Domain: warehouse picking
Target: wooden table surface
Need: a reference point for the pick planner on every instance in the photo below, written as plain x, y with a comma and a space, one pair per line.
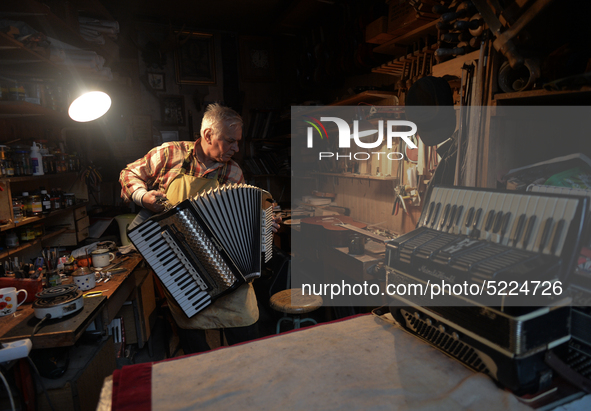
66, 331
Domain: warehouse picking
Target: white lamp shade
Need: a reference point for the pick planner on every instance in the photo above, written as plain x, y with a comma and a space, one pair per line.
89, 106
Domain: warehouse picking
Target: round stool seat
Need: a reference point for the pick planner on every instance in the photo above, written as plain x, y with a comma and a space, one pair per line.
300, 304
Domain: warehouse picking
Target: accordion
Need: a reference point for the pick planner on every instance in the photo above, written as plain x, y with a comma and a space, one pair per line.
209, 245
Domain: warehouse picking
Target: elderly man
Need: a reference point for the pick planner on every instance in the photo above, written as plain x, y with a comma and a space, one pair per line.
181, 169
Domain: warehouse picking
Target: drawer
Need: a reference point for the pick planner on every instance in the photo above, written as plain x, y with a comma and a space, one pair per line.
82, 223
69, 238
80, 212
82, 234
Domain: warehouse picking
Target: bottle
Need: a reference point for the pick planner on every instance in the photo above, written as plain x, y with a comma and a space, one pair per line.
56, 202
27, 207
12, 240
36, 160
36, 205
17, 209
45, 202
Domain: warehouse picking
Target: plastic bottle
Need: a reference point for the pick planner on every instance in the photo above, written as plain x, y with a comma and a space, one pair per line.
36, 160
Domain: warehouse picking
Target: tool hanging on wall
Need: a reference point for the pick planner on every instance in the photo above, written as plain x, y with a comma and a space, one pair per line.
465, 91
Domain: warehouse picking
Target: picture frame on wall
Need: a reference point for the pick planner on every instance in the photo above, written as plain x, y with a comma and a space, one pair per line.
156, 81
195, 58
257, 59
172, 110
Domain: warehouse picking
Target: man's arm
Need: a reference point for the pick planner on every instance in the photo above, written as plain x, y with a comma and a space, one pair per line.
139, 180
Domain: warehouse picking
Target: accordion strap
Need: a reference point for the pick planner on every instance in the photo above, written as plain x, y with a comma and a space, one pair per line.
220, 173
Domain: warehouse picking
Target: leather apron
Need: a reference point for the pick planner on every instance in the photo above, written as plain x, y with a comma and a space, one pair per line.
237, 309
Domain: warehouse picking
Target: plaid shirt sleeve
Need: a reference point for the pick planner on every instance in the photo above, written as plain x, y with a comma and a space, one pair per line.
144, 173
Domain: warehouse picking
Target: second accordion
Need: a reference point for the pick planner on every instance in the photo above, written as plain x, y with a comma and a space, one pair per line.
209, 245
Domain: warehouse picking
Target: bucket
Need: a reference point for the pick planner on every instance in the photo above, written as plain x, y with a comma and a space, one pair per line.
124, 220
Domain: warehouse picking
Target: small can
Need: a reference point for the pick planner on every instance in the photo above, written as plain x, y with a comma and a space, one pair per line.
54, 278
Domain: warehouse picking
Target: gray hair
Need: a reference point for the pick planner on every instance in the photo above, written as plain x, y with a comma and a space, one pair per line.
217, 115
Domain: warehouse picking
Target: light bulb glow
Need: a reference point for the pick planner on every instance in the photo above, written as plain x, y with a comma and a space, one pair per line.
89, 106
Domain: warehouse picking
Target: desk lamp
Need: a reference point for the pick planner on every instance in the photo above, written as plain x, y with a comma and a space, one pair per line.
89, 106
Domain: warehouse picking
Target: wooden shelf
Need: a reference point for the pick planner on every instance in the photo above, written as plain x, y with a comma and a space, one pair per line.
18, 109
536, 95
357, 176
30, 220
12, 251
365, 97
396, 66
16, 60
38, 178
393, 46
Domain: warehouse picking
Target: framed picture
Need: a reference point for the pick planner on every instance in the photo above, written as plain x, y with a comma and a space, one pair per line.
156, 81
257, 60
195, 59
172, 109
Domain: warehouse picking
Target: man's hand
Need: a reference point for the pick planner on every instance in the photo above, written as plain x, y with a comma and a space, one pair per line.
152, 201
276, 219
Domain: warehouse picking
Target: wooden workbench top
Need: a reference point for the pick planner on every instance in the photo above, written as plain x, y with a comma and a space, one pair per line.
66, 331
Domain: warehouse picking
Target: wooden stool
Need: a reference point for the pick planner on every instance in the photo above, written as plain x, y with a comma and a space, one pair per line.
301, 304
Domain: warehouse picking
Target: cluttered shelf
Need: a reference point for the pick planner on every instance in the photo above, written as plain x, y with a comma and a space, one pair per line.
12, 251
394, 46
43, 18
29, 220
37, 178
15, 109
536, 95
369, 96
358, 176
13, 50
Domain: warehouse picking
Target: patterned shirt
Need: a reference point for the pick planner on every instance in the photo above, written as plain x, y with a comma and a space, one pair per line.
162, 164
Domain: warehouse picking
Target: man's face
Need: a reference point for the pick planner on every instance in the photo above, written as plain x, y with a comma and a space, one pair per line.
222, 146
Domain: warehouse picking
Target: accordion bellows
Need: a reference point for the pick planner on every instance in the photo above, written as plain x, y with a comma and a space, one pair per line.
210, 245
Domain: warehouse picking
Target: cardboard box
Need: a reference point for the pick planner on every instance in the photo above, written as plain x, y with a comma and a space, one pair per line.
80, 387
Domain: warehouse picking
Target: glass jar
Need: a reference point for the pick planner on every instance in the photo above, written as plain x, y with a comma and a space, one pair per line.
12, 240
49, 164
9, 168
56, 201
17, 209
22, 162
36, 205
69, 199
27, 234
62, 165
27, 206
38, 229
4, 157
45, 202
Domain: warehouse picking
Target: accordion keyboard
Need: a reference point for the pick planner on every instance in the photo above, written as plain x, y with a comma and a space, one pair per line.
169, 268
476, 234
